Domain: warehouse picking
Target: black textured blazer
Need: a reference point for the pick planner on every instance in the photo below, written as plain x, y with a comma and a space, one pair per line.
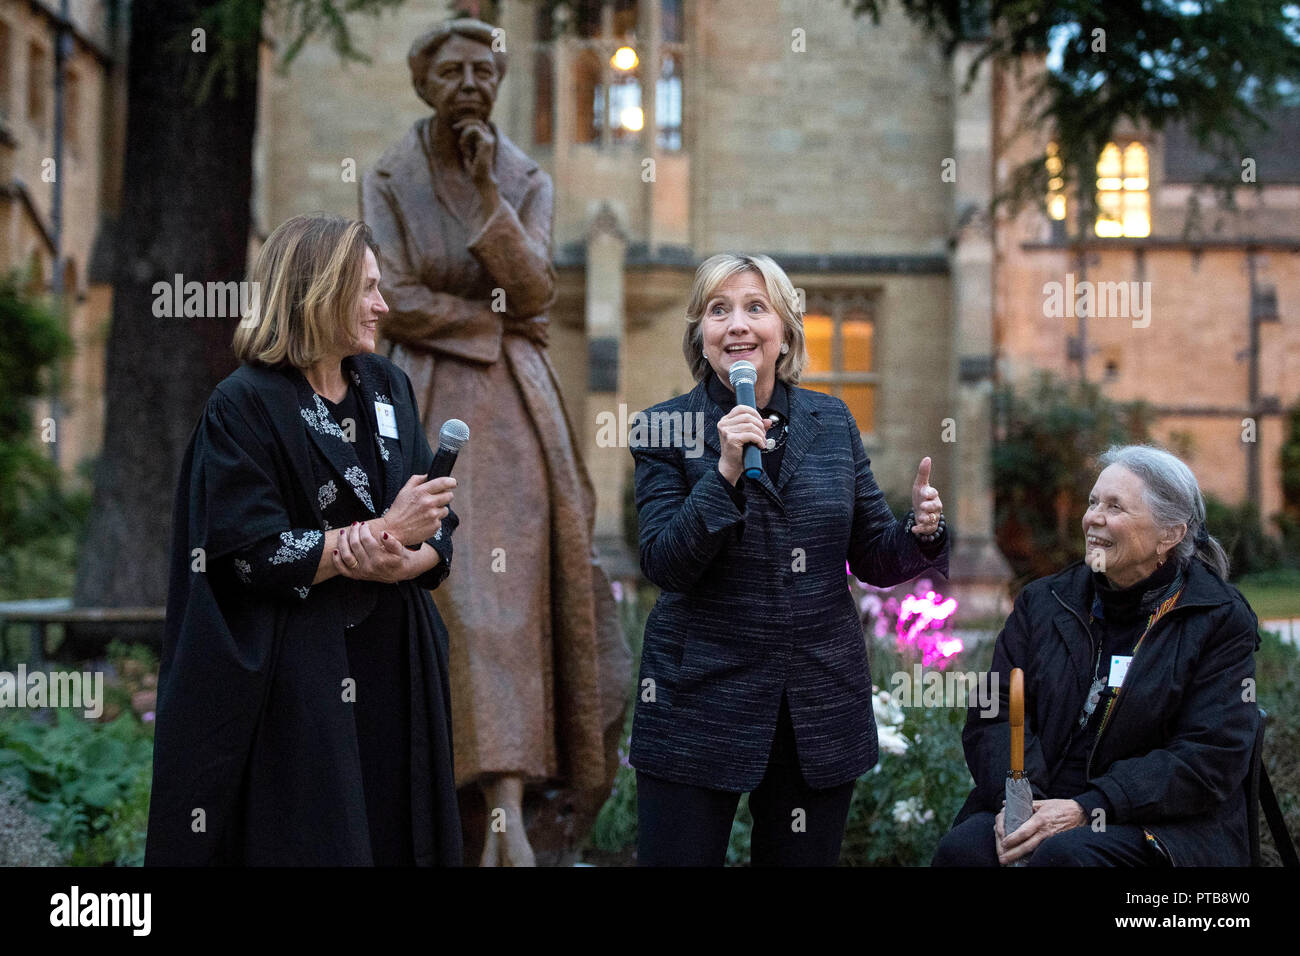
756, 600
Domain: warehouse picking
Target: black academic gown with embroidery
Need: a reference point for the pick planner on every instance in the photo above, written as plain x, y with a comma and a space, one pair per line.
259, 754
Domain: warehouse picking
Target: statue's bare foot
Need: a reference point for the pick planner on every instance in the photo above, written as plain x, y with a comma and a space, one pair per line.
491, 848
517, 851
505, 842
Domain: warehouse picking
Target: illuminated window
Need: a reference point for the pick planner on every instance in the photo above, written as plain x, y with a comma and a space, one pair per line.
1055, 184
840, 330
609, 69
1123, 192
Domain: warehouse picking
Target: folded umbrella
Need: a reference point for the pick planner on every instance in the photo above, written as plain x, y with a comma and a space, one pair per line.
1020, 796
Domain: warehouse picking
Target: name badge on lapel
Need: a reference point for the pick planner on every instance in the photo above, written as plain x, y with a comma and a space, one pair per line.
1118, 668
387, 419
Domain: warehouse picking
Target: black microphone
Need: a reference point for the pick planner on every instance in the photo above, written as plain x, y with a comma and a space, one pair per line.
451, 438
743, 375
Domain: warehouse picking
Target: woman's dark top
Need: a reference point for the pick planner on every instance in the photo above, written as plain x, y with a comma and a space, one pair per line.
1119, 617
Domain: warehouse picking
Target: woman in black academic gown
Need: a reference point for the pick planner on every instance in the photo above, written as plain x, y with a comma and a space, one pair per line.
303, 712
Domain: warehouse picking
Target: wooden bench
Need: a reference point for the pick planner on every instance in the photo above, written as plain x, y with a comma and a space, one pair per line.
41, 613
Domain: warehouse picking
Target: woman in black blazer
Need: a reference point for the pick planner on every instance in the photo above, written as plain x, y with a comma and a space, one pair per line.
754, 672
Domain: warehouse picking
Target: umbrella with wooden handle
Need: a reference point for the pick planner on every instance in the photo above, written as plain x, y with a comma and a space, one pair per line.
1019, 796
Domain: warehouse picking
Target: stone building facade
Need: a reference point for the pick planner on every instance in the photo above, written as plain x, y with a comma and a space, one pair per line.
1221, 288
32, 237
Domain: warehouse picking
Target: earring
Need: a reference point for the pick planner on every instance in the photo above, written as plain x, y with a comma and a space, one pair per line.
784, 348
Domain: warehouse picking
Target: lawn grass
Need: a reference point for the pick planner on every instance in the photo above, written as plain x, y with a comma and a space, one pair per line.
1273, 594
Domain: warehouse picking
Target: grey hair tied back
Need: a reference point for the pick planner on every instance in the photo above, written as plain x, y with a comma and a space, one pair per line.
1174, 497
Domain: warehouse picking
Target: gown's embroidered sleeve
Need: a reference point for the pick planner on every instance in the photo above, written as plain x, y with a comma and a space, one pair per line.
440, 542
245, 528
283, 563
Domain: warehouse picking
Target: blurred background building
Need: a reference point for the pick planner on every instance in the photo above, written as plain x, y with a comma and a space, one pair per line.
847, 150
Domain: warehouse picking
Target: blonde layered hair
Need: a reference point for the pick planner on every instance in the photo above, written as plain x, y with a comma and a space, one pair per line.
710, 277
309, 277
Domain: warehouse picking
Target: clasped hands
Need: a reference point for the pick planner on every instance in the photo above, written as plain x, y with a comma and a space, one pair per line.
1049, 818
375, 550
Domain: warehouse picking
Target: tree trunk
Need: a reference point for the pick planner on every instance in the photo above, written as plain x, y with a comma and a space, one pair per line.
187, 182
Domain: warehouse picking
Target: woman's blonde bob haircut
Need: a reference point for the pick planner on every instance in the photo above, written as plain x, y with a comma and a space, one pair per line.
308, 282
710, 277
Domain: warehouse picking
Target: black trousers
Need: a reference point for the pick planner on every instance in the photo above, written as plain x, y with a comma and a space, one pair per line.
794, 824
971, 843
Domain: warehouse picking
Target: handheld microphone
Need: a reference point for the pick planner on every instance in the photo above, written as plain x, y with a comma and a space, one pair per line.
451, 438
743, 375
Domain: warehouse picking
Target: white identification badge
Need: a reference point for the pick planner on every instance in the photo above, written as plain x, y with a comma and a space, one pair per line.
1118, 668
387, 419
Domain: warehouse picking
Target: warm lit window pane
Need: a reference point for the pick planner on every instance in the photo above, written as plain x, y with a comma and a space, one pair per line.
1108, 166
861, 400
625, 113
817, 335
1055, 185
857, 335
1137, 218
839, 333
1109, 228
1123, 203
1135, 160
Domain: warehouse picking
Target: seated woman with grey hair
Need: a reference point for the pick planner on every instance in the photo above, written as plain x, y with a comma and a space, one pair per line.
1140, 715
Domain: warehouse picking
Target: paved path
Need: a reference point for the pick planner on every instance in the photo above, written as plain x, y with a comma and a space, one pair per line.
1288, 628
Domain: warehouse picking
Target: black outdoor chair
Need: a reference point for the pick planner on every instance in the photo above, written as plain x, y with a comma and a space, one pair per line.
1259, 793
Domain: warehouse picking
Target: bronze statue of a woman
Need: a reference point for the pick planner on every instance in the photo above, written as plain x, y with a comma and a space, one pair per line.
539, 666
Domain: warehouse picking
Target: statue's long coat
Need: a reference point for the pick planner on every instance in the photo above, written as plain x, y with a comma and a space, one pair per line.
539, 667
